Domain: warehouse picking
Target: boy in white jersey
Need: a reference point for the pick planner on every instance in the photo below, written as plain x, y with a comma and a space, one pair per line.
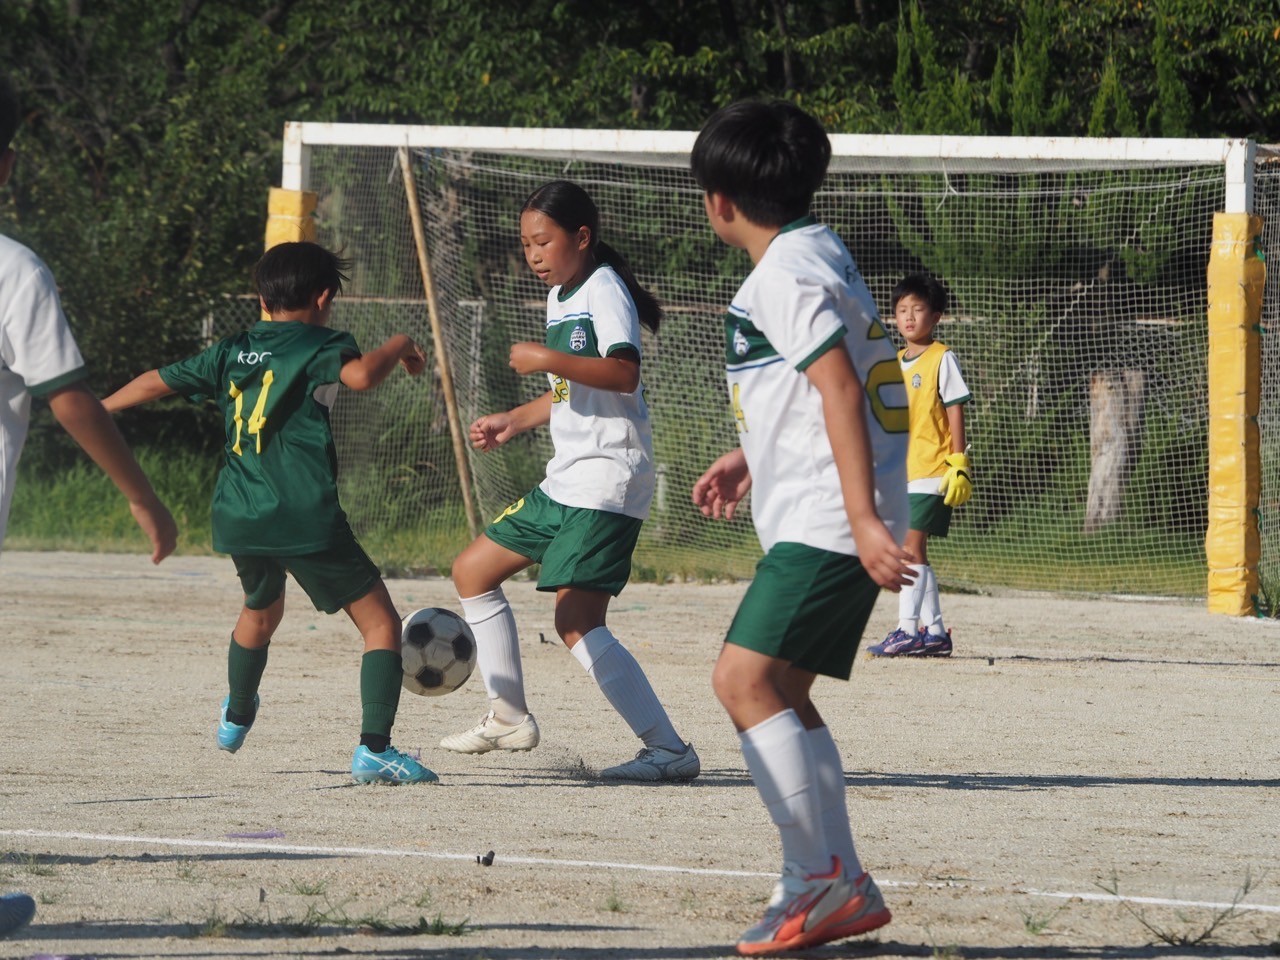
582, 521
39, 357
818, 400
938, 474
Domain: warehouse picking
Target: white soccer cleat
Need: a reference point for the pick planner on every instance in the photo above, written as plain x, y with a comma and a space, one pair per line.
492, 734
657, 763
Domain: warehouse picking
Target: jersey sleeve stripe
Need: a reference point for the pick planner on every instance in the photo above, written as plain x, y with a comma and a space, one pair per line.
57, 383
822, 348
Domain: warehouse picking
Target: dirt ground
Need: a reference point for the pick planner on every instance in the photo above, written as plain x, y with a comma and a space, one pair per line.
1070, 750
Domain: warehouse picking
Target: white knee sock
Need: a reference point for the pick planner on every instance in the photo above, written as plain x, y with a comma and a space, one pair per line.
835, 815
626, 687
931, 605
497, 653
782, 766
910, 598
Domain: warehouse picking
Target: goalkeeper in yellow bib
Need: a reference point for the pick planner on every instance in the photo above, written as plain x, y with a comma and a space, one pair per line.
938, 473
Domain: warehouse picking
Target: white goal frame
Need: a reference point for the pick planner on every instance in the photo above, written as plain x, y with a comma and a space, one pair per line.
1235, 483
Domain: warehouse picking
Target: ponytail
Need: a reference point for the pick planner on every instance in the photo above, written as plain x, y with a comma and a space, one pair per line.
572, 207
647, 305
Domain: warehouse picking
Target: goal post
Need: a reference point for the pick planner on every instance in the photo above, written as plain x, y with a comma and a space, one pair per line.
1106, 303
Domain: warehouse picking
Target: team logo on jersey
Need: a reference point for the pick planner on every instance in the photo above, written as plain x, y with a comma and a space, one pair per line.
740, 345
578, 339
916, 381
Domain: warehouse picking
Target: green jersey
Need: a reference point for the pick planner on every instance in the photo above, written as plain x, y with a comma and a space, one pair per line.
277, 493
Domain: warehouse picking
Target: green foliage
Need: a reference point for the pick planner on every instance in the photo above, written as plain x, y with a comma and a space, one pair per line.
153, 128
1113, 114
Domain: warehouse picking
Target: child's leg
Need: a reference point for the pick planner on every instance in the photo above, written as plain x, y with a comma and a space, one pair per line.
247, 658
580, 618
931, 607
911, 597
478, 573
381, 673
829, 779
777, 750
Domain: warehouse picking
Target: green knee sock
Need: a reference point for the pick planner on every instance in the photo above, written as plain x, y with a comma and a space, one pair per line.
380, 676
244, 673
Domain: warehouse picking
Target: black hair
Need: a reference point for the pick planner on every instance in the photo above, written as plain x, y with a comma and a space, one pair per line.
291, 275
572, 207
10, 113
927, 288
766, 156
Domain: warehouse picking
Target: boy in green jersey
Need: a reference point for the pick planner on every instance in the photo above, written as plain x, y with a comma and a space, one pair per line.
275, 506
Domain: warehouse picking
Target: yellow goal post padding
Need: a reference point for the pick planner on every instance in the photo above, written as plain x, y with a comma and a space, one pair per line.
1232, 546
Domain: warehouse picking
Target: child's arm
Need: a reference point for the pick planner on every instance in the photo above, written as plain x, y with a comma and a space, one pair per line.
141, 389
721, 488
619, 372
495, 429
367, 371
91, 426
955, 420
843, 402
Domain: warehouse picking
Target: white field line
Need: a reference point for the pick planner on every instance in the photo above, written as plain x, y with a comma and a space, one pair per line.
595, 864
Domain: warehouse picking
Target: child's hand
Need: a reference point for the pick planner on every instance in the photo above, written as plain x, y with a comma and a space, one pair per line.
528, 357
157, 523
957, 483
415, 360
886, 562
492, 431
719, 491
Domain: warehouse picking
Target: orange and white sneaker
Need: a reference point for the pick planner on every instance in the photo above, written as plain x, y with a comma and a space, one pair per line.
806, 911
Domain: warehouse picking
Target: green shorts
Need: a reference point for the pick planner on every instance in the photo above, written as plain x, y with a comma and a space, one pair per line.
577, 547
929, 514
806, 606
332, 578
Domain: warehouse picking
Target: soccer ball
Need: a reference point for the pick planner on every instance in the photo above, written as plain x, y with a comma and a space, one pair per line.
438, 651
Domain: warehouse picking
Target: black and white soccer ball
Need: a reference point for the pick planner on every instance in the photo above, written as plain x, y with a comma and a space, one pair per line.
438, 651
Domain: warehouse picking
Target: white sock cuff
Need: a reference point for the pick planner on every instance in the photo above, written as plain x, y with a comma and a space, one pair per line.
781, 726
593, 645
484, 607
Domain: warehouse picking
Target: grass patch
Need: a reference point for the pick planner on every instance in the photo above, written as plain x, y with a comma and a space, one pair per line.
1037, 546
1189, 931
320, 919
1037, 922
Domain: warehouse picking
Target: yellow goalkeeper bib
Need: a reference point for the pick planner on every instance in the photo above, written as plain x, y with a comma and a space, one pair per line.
930, 431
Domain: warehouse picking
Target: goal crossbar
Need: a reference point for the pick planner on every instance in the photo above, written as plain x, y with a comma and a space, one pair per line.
672, 147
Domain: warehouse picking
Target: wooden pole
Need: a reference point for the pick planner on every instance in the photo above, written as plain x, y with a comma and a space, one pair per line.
437, 336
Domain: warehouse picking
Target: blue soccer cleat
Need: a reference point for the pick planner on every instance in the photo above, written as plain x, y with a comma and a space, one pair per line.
16, 911
231, 735
898, 644
934, 644
389, 766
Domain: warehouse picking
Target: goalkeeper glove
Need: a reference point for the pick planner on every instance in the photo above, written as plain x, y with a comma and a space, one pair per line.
956, 486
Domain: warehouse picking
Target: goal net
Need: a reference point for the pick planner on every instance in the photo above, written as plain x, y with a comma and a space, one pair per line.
1078, 306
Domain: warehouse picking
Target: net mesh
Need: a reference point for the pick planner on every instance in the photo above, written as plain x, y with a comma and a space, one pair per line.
1266, 202
1077, 316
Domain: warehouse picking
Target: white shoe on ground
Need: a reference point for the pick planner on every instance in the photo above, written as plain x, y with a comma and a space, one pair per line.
491, 734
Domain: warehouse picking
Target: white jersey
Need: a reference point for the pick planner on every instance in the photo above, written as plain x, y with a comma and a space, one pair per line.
803, 298
38, 354
603, 443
